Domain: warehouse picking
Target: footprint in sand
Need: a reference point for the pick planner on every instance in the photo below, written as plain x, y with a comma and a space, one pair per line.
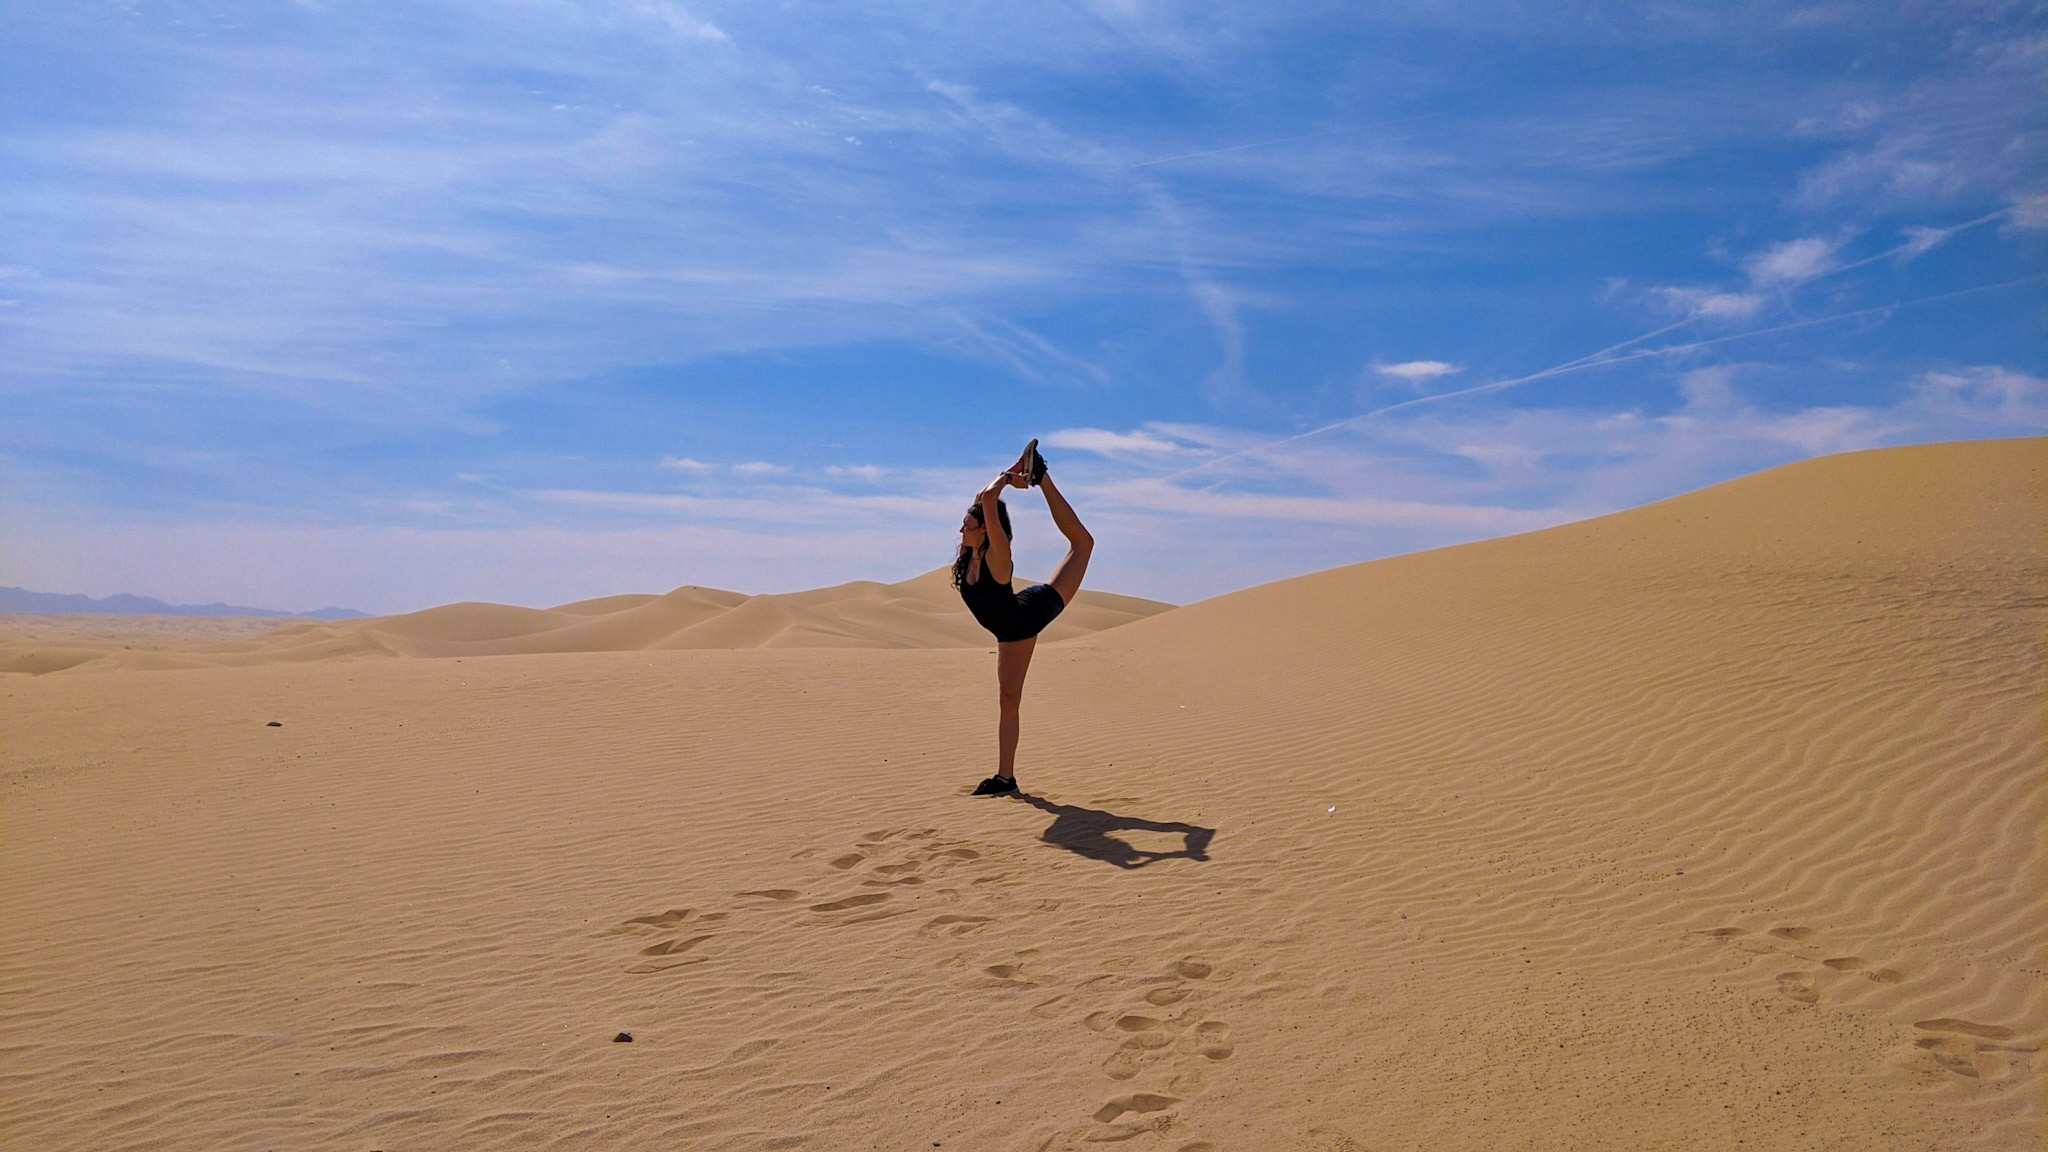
846, 902
1010, 976
1174, 993
1739, 939
1965, 1027
955, 924
1960, 1047
1047, 1009
675, 951
674, 947
1124, 1062
887, 834
1956, 1046
1858, 964
1138, 1103
666, 919
1143, 1037
1211, 1040
1121, 1022
897, 856
1798, 987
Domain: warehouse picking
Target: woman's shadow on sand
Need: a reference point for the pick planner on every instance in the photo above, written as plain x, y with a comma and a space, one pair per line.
1086, 832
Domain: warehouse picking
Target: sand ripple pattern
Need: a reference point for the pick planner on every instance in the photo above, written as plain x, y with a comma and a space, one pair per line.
1717, 823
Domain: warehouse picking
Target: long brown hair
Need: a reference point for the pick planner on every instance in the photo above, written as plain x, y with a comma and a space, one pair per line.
966, 554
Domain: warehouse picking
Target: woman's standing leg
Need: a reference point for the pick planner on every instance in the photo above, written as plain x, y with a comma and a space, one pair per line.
1080, 545
1013, 660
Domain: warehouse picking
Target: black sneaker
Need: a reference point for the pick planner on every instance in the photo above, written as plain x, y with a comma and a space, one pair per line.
1037, 465
996, 786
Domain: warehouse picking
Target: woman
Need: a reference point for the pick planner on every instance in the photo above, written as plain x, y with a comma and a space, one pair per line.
982, 571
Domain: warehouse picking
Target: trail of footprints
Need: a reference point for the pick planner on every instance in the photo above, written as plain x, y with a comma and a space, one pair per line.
1945, 1044
1152, 1024
896, 858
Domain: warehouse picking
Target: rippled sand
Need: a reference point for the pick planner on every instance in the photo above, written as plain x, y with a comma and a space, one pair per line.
1713, 824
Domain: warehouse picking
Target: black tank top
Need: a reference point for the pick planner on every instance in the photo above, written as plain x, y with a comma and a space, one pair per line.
992, 602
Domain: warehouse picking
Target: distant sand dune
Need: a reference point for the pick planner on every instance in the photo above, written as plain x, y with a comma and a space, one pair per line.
924, 612
1719, 823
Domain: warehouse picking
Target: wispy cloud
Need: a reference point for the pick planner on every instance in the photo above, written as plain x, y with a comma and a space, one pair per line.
2030, 213
1709, 303
865, 472
1427, 479
1793, 262
1417, 371
1358, 511
1213, 300
1785, 266
780, 509
302, 265
1579, 460
1920, 241
1024, 352
1103, 442
1963, 127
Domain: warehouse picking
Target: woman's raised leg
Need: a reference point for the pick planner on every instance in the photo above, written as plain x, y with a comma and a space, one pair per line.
1080, 545
1013, 660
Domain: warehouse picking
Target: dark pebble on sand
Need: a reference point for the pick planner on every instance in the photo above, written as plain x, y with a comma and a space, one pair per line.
275, 724
623, 1038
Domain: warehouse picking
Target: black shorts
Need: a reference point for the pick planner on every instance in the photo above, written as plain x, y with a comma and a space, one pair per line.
1037, 606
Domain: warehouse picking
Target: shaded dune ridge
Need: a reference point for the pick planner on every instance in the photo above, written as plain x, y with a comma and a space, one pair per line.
1721, 822
923, 612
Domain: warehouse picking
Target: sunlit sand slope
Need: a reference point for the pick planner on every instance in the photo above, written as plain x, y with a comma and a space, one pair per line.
1714, 824
924, 612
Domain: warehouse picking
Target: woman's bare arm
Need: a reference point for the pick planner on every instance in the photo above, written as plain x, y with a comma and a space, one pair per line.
998, 563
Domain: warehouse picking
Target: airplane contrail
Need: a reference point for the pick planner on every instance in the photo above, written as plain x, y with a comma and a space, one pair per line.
1602, 359
1909, 245
1672, 349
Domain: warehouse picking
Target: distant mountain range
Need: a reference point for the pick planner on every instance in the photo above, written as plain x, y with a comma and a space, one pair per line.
53, 603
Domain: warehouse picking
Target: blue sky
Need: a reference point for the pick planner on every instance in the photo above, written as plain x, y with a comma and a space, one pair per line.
393, 304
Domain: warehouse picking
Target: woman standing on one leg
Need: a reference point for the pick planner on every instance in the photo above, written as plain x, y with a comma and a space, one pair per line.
982, 571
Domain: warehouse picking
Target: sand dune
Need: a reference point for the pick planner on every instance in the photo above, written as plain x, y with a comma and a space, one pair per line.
1713, 824
924, 612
